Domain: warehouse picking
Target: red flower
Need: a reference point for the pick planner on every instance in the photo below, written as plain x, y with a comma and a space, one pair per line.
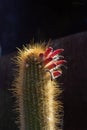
52, 62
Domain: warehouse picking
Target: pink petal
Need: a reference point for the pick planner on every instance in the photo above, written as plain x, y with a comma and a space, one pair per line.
47, 61
48, 51
56, 52
51, 66
60, 62
56, 74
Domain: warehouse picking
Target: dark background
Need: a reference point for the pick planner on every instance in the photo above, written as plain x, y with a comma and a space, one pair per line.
23, 20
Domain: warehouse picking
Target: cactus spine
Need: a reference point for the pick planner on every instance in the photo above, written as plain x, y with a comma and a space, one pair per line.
35, 92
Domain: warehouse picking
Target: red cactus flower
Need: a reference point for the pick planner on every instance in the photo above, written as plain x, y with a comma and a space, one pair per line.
51, 61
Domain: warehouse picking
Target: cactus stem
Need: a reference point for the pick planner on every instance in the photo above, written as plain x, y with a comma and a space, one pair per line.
36, 94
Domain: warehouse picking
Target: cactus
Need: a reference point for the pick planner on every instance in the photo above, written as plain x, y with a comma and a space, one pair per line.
36, 89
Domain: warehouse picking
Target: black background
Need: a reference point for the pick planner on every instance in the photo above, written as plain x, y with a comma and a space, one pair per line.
23, 20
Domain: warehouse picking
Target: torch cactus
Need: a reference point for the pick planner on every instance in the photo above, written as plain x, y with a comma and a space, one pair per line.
36, 89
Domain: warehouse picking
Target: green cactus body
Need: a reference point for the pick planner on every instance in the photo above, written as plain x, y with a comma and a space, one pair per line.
35, 92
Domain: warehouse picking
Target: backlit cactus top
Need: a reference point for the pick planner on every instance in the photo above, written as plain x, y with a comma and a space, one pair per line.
36, 89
